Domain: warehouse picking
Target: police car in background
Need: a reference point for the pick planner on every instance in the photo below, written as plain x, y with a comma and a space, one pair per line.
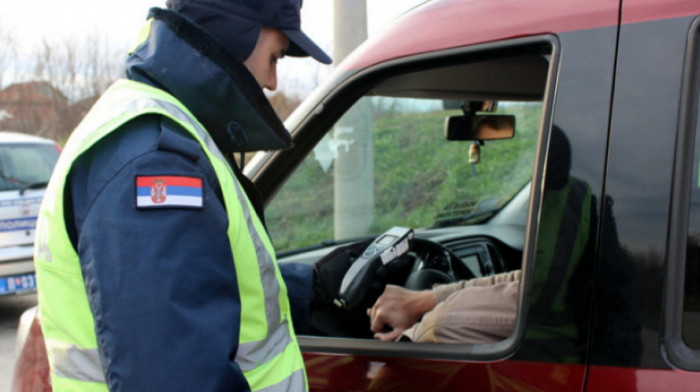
26, 163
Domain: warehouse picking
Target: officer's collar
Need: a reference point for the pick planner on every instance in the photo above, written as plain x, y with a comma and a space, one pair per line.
185, 61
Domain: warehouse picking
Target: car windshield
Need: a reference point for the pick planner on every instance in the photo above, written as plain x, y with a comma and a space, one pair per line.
26, 165
387, 163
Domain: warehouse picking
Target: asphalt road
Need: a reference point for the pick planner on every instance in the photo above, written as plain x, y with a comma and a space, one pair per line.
11, 309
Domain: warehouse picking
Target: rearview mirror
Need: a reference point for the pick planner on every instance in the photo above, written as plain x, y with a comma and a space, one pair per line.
480, 127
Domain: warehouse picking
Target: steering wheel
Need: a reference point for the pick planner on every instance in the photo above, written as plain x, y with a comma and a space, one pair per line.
434, 264
427, 263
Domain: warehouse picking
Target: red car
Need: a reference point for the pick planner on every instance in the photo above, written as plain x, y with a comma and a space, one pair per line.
591, 190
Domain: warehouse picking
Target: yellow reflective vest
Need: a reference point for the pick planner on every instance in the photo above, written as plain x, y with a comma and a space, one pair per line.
268, 353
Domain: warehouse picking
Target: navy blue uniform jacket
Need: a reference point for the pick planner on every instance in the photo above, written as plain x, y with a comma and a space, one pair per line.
161, 282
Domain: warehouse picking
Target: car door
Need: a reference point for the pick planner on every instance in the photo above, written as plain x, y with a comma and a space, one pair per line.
370, 153
649, 327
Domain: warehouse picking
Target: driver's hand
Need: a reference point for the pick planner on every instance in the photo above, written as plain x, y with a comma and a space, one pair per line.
397, 309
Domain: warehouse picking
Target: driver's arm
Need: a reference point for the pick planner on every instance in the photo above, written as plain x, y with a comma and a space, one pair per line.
477, 314
452, 305
445, 290
398, 309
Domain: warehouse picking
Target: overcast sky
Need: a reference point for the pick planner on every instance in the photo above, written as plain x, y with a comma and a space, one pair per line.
32, 21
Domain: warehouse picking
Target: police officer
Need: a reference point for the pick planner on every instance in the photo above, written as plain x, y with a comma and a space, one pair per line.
155, 271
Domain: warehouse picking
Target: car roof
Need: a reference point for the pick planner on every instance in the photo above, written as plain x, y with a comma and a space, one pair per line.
17, 137
469, 22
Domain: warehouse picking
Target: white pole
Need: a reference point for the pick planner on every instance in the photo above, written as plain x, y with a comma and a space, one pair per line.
354, 166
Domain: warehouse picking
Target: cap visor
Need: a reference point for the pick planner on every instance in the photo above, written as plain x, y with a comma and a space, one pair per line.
301, 45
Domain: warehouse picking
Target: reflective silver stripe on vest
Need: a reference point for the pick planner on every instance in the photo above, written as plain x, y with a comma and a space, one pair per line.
263, 351
249, 354
295, 382
70, 361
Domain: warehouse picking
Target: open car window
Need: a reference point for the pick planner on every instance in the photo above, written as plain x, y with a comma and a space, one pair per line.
448, 148
387, 163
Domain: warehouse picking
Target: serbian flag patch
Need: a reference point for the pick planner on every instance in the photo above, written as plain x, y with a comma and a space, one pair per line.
168, 191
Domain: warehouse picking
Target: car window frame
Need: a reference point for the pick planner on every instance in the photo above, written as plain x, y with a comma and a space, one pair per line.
328, 104
673, 346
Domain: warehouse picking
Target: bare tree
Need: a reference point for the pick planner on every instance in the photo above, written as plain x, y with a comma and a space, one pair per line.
66, 78
7, 51
79, 69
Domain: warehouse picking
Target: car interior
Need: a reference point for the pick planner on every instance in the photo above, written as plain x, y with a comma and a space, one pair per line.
410, 153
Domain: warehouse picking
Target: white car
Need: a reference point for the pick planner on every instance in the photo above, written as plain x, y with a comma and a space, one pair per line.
26, 163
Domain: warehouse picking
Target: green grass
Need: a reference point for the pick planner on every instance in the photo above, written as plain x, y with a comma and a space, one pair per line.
419, 177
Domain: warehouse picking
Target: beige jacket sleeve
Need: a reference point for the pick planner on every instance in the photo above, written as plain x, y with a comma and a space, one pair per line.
445, 290
481, 310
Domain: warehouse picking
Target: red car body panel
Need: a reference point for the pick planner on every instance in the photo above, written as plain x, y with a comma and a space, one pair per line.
620, 379
345, 373
31, 372
635, 11
479, 21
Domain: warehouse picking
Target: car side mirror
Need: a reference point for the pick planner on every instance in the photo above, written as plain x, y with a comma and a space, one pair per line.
480, 127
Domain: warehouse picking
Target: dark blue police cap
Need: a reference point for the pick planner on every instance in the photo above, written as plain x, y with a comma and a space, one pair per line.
236, 24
